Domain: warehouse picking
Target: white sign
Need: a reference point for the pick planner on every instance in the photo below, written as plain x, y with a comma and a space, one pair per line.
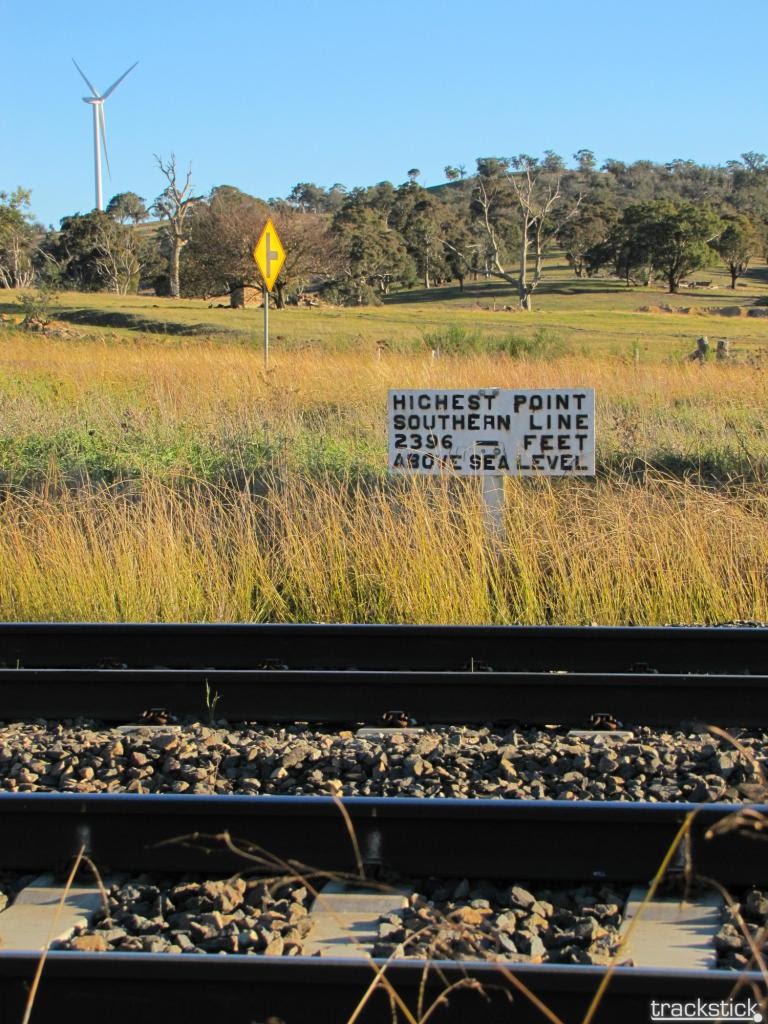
549, 432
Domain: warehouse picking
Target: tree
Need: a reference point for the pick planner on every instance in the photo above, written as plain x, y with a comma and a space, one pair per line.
94, 251
127, 207
590, 227
457, 240
755, 161
452, 173
417, 216
373, 256
311, 252
313, 198
173, 206
585, 160
72, 251
18, 239
737, 245
413, 174
222, 231
117, 255
520, 194
676, 236
553, 162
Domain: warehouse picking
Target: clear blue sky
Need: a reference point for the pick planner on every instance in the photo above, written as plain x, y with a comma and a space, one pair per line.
263, 95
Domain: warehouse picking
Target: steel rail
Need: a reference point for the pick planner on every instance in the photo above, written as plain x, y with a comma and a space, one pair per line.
334, 696
549, 840
124, 988
674, 649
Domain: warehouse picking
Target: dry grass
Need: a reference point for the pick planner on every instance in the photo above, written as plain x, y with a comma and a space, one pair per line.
129, 467
207, 410
323, 550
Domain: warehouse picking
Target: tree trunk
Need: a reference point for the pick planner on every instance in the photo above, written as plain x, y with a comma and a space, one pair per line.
279, 296
734, 275
174, 286
672, 284
523, 295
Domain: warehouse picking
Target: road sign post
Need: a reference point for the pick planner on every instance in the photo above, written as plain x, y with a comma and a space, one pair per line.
269, 256
493, 505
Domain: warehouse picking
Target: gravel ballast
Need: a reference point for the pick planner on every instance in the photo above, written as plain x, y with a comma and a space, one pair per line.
438, 762
151, 914
480, 920
453, 919
750, 912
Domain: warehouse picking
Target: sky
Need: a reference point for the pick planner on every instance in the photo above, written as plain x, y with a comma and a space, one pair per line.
266, 94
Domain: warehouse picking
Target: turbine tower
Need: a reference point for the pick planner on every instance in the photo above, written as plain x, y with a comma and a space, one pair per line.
99, 129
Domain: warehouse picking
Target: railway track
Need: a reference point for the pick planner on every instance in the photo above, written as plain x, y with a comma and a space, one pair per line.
355, 674
606, 843
342, 673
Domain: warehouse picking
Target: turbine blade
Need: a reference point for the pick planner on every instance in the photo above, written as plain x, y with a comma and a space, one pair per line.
104, 138
114, 85
82, 73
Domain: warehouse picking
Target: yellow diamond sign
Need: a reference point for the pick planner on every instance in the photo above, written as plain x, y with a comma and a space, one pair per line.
269, 254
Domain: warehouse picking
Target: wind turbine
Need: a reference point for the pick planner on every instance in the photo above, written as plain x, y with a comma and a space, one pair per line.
99, 129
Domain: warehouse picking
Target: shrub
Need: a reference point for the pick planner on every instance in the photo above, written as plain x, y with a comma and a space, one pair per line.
455, 340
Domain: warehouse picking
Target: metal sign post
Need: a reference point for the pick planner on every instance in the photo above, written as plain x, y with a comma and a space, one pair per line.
269, 256
493, 505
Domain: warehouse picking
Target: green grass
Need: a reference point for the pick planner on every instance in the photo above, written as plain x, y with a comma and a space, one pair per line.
594, 316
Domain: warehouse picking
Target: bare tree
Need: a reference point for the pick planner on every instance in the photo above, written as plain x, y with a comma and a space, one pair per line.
116, 256
538, 197
520, 194
19, 239
172, 205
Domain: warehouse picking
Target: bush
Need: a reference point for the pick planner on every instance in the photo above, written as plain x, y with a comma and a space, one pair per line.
542, 344
37, 307
455, 340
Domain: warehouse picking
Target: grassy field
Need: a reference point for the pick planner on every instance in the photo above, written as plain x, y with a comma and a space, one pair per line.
151, 469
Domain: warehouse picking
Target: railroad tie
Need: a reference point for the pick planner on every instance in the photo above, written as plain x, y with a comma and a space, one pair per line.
670, 932
31, 923
346, 919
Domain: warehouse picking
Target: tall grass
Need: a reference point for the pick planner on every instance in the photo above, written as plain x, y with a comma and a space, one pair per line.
318, 549
207, 410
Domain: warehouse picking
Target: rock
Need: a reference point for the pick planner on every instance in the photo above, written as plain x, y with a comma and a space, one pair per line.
468, 915
166, 742
506, 923
506, 943
462, 890
518, 897
389, 932
755, 906
94, 943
